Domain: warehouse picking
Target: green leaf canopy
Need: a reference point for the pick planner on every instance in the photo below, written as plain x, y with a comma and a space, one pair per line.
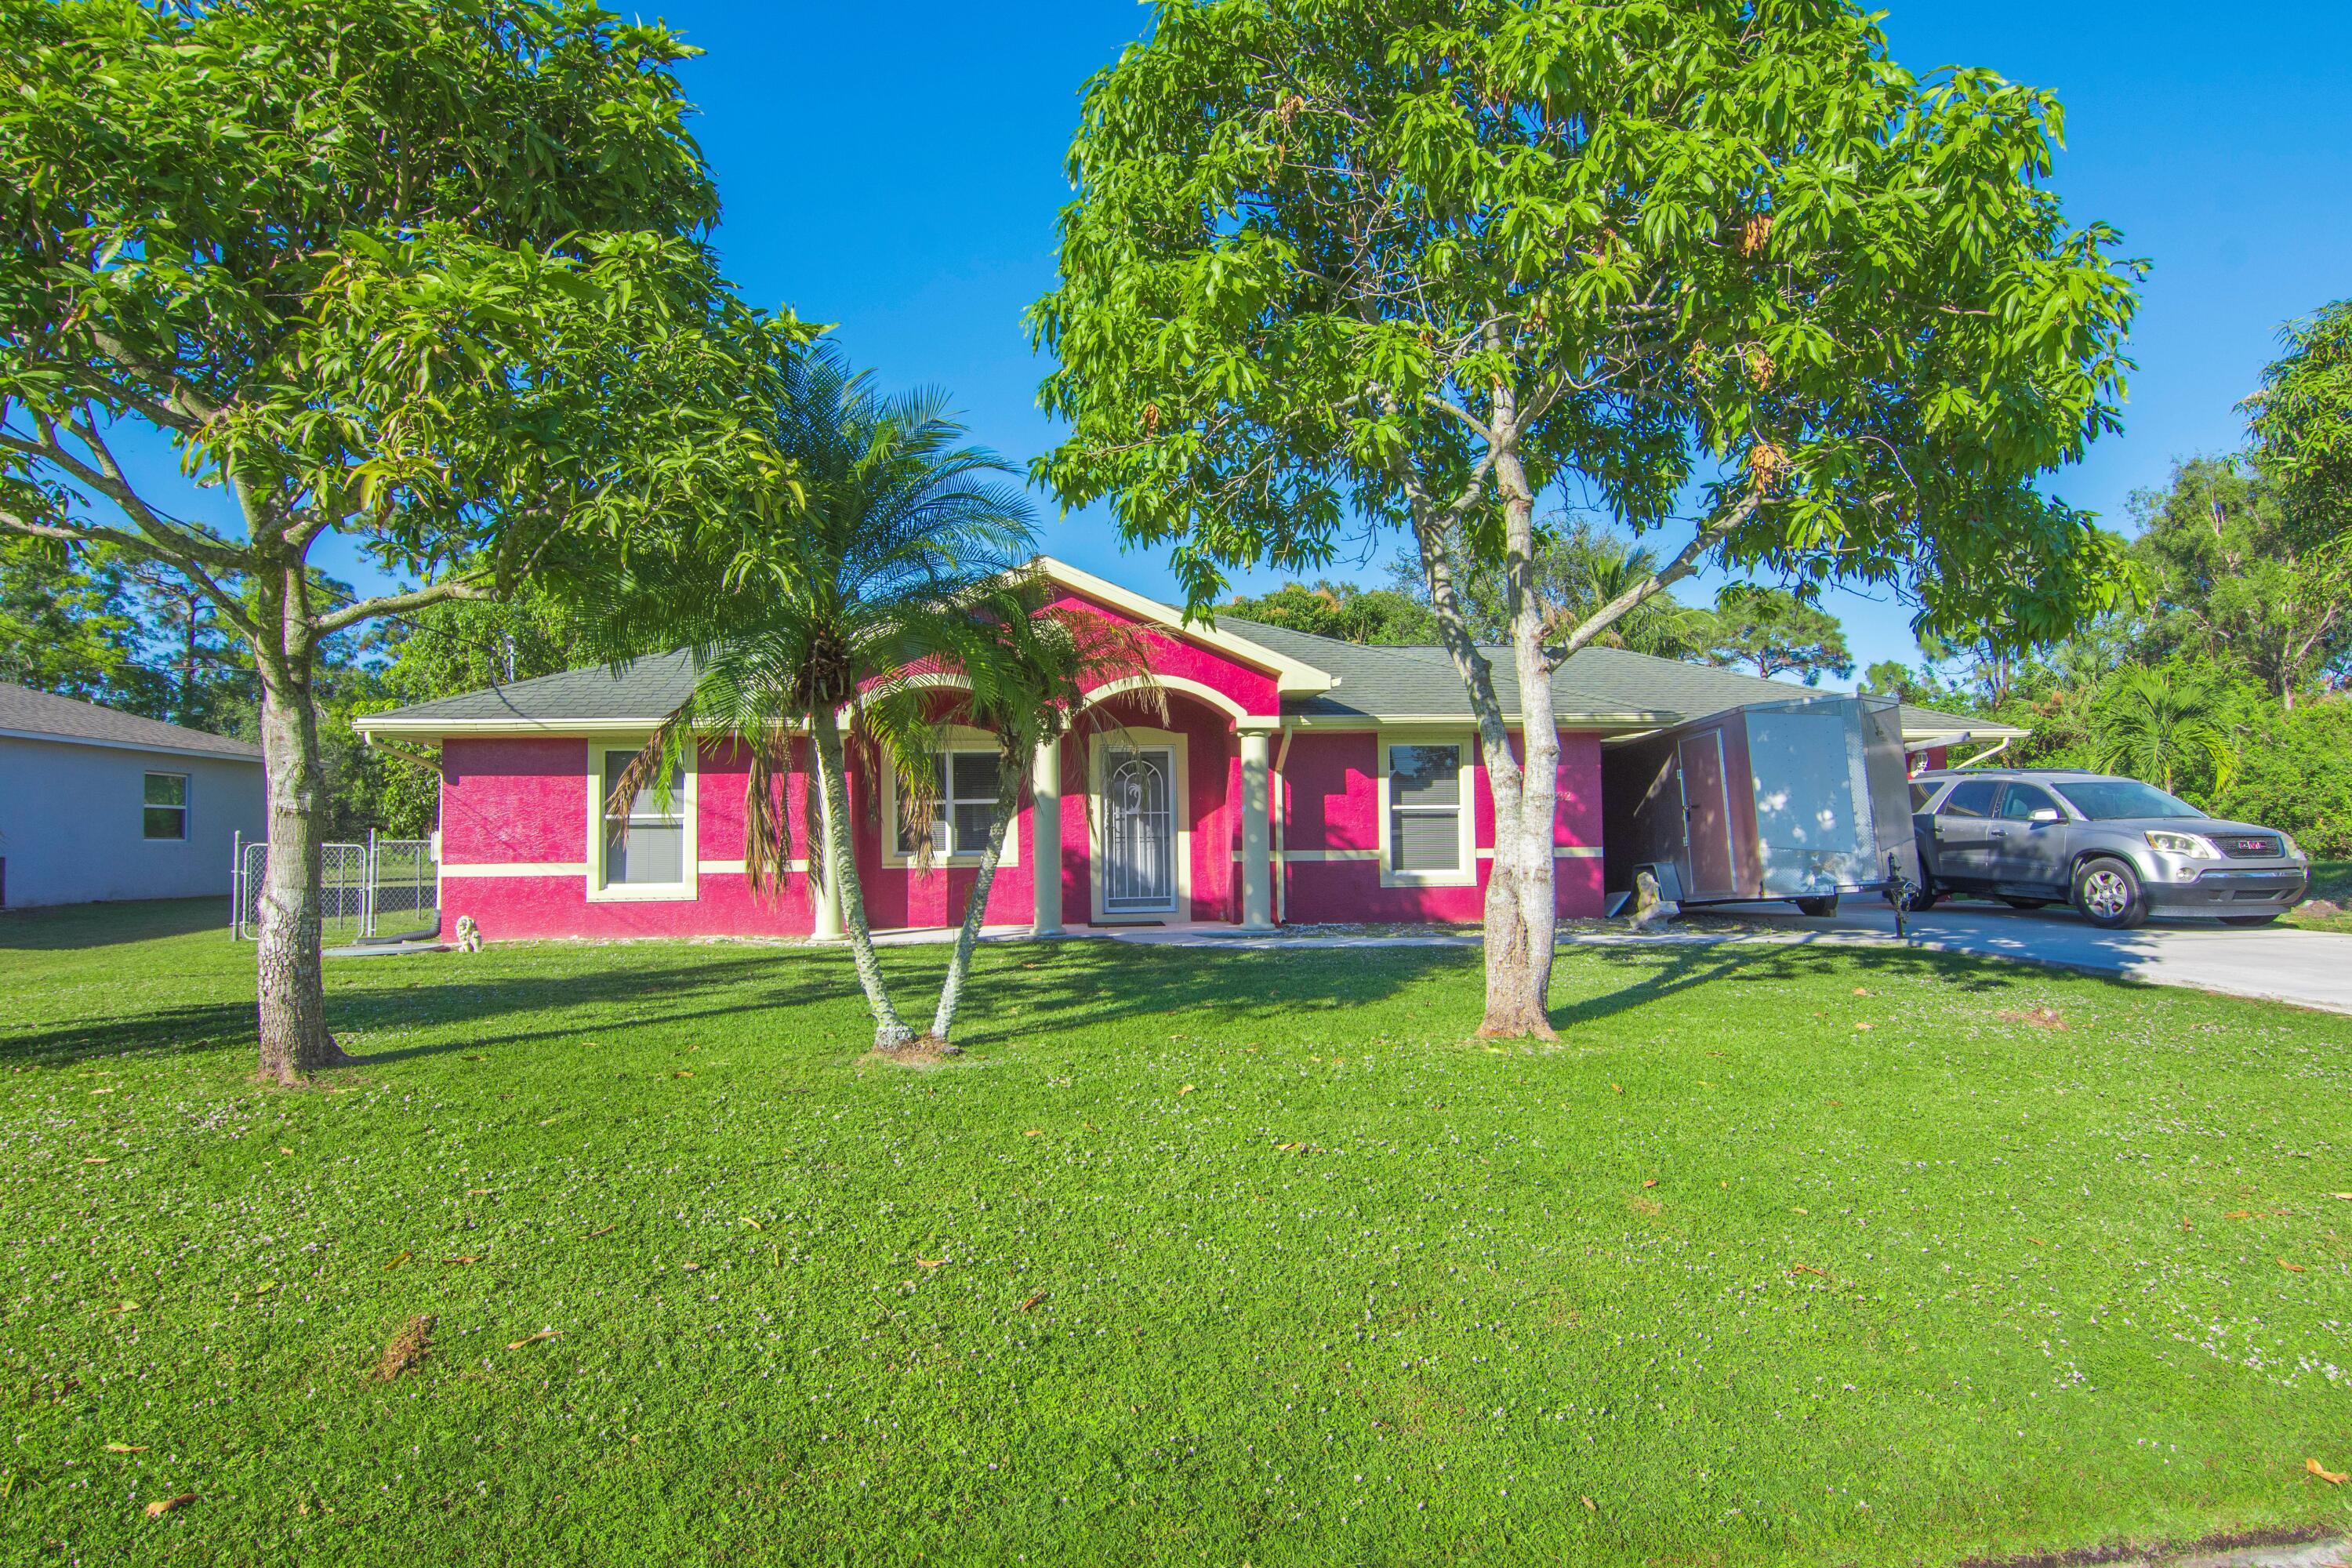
1325, 253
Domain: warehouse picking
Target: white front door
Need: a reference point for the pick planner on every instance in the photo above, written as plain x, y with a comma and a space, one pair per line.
1138, 808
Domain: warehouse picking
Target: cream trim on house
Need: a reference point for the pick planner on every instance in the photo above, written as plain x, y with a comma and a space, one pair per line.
1291, 677
1180, 803
685, 794
1465, 872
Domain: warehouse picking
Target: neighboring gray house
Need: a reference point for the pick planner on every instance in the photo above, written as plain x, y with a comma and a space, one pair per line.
99, 805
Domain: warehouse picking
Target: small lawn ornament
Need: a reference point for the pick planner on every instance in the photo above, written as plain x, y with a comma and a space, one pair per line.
1650, 912
469, 935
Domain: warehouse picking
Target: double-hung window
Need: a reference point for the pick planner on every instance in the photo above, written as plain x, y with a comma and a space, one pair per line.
1426, 802
164, 817
963, 807
647, 840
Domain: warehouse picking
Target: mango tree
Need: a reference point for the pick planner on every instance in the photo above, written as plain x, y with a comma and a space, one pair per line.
431, 278
1721, 270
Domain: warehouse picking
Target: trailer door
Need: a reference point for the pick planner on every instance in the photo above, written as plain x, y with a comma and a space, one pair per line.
1707, 816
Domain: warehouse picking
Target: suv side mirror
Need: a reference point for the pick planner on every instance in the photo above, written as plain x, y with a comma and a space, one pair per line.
2047, 814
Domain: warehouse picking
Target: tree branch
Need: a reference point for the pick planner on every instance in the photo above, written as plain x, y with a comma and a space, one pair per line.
360, 610
1682, 565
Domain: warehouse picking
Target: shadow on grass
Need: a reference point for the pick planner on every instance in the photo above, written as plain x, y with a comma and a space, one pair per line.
59, 928
1019, 993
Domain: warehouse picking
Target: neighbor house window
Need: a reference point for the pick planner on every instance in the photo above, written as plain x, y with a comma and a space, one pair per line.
646, 840
166, 815
963, 810
1428, 808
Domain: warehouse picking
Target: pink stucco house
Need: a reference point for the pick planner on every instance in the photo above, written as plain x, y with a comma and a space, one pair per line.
1296, 780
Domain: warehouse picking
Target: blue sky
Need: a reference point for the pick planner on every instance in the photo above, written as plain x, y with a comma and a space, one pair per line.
900, 178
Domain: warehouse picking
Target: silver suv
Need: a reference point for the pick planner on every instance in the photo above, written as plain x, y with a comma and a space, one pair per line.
2117, 850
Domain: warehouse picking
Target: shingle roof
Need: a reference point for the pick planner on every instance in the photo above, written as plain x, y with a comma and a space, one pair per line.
1599, 686
39, 715
646, 691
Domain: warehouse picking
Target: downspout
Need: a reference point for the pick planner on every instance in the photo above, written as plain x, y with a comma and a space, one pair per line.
1996, 749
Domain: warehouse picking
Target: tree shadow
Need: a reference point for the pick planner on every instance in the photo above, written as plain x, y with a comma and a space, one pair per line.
56, 928
1020, 992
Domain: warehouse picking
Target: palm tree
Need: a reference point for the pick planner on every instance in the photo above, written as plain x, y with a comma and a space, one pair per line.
1028, 676
798, 616
2148, 724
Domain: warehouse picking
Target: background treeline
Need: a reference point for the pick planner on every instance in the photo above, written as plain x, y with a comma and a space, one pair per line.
139, 636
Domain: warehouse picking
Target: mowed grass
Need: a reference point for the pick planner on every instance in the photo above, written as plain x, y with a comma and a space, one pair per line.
1787, 1254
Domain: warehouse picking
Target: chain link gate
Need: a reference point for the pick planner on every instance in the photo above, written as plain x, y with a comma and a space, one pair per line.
361, 887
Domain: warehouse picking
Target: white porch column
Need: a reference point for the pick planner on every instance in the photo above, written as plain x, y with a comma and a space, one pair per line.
828, 887
1046, 840
1257, 839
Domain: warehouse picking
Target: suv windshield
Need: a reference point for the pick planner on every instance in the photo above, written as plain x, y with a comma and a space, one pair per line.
2112, 800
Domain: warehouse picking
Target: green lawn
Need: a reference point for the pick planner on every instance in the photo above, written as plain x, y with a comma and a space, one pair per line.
1787, 1256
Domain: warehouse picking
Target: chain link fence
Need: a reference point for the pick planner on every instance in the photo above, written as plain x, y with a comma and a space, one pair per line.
382, 890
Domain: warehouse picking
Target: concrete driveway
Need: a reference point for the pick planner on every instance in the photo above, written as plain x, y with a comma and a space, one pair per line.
2279, 963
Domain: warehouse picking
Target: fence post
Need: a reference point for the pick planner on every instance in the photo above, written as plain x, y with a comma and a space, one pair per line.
237, 886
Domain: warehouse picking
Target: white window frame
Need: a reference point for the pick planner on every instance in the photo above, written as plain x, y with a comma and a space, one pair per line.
1466, 873
683, 793
1100, 746
185, 808
955, 741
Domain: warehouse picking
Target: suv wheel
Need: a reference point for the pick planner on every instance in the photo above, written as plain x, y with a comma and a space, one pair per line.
2107, 892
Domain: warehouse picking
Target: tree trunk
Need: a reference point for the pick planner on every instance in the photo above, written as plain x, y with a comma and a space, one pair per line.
293, 997
1521, 914
975, 914
889, 1034
1518, 910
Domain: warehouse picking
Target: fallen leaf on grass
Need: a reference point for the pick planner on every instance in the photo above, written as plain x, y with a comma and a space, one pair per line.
2332, 1478
265, 1289
2290, 1268
2345, 1196
541, 1337
163, 1505
1616, 1088
1033, 1300
1865, 1025
2239, 1213
407, 1348
97, 1160
1808, 1269
121, 1307
689, 1268
2042, 1018
1184, 1091
2185, 1224
1794, 1210
608, 1230
477, 1192
468, 1259
928, 1262
1590, 1504
397, 1261
1862, 991
283, 1150
141, 1448
1651, 1183
689, 1072
108, 1090
1034, 1132
754, 1224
